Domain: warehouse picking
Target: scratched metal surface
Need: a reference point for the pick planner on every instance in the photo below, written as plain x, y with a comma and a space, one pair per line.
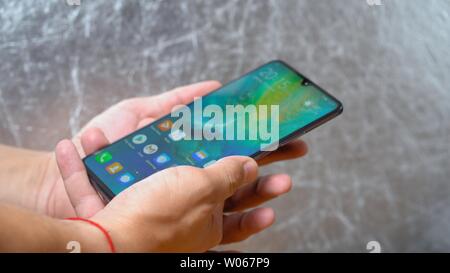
379, 172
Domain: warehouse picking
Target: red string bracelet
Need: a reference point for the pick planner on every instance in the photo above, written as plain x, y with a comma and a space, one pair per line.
108, 237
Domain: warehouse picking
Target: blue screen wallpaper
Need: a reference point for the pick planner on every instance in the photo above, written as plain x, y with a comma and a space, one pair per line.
155, 147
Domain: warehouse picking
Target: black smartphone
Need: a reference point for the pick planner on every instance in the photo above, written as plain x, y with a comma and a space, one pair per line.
250, 116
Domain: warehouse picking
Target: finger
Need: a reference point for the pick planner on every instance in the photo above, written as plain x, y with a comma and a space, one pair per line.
92, 140
294, 149
229, 174
145, 122
240, 226
185, 94
254, 194
82, 195
157, 106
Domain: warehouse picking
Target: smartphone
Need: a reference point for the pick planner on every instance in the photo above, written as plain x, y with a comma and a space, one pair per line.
302, 106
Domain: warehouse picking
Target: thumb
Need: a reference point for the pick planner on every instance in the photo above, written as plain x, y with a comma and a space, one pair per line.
82, 195
230, 173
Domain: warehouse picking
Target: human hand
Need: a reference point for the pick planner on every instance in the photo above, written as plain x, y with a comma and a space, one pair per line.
177, 209
131, 114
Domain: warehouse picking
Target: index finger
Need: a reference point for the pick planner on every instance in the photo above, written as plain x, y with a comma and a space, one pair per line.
156, 106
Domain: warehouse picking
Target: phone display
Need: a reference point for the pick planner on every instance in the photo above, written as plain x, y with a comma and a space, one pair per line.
302, 105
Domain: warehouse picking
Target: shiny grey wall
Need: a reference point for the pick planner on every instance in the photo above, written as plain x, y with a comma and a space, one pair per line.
379, 172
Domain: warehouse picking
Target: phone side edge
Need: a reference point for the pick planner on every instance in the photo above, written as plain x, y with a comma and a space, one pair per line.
104, 192
305, 129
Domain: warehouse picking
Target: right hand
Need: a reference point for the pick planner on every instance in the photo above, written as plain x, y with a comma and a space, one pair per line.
179, 209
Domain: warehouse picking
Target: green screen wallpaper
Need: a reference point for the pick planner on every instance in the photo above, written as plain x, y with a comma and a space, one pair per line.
154, 147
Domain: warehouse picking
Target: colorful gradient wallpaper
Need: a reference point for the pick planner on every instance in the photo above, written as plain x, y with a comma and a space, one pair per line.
155, 147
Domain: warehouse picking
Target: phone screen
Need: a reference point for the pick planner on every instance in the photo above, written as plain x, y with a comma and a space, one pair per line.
300, 103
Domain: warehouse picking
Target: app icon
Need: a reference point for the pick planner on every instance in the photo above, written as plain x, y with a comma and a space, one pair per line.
199, 155
165, 125
114, 168
103, 157
209, 163
161, 159
150, 149
177, 135
139, 139
126, 178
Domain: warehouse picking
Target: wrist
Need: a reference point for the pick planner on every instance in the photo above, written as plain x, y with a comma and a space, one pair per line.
130, 235
22, 176
89, 237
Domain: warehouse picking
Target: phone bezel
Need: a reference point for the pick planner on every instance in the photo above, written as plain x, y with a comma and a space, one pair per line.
106, 194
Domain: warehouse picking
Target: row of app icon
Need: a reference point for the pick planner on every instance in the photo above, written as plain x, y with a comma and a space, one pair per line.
163, 126
115, 168
149, 149
161, 159
175, 135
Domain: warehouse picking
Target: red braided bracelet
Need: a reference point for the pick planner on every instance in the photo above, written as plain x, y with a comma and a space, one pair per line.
108, 237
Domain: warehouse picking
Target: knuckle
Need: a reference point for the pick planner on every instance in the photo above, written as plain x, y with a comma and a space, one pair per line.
233, 174
190, 179
203, 183
171, 174
178, 175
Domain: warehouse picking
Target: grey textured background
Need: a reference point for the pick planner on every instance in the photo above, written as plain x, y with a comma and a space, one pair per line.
379, 172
